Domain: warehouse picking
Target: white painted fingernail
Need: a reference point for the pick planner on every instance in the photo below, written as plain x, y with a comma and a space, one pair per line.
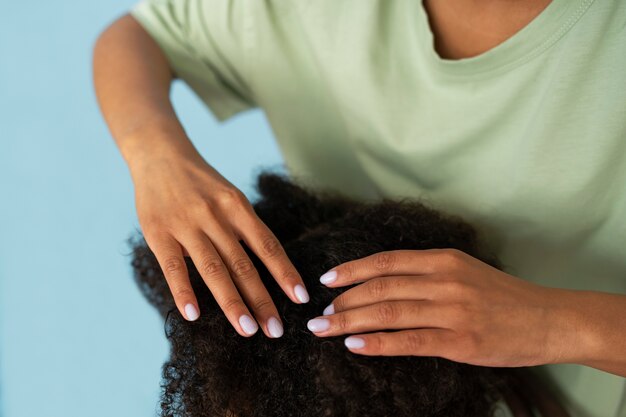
354, 342
191, 312
328, 277
330, 309
248, 325
274, 327
318, 325
301, 293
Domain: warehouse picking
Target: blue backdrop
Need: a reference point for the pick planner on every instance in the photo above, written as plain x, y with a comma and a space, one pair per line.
77, 339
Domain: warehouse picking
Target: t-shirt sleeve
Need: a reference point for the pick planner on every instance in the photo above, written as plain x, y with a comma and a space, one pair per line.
207, 44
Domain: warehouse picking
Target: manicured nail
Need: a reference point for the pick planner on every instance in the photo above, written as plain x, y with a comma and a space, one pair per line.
318, 325
354, 342
328, 277
330, 309
274, 327
248, 325
192, 312
301, 293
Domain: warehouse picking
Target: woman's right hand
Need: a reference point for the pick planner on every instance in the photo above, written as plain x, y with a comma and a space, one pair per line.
186, 208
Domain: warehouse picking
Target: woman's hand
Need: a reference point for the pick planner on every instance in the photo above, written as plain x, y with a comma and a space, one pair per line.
445, 303
186, 208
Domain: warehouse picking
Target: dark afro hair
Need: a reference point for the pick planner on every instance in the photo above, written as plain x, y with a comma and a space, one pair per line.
213, 371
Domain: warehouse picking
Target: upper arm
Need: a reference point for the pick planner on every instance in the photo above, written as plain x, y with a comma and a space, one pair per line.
206, 45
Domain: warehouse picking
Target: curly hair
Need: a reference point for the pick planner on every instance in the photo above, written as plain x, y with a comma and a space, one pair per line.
213, 371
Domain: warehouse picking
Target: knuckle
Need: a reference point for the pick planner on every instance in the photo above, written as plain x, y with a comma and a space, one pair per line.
460, 316
384, 261
173, 265
150, 227
348, 271
414, 341
416, 309
245, 279
290, 275
454, 286
182, 293
471, 342
387, 313
231, 197
470, 290
271, 246
233, 304
375, 343
242, 266
401, 283
341, 322
203, 206
453, 258
261, 304
377, 288
339, 303
210, 266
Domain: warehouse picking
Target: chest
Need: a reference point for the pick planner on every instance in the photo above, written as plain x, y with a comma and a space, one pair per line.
363, 98
465, 28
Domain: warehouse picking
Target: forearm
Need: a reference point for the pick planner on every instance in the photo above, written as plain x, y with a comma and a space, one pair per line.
132, 80
597, 321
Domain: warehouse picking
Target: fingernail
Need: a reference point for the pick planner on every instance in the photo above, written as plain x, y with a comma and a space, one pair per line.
191, 312
318, 325
274, 327
354, 342
301, 293
328, 277
330, 309
248, 325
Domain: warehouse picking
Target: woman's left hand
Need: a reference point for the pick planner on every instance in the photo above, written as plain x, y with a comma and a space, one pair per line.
445, 303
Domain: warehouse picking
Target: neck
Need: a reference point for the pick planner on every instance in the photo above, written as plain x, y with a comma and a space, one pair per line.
466, 28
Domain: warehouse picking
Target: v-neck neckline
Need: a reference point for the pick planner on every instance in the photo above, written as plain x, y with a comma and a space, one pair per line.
554, 21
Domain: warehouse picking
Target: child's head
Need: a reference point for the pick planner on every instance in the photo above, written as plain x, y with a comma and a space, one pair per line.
213, 371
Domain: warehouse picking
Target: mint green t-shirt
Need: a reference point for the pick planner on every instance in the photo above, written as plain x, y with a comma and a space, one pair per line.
527, 140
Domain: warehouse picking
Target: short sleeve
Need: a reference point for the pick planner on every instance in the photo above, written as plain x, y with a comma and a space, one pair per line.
207, 44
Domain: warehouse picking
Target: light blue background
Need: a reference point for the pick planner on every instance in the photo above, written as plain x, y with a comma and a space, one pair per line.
77, 339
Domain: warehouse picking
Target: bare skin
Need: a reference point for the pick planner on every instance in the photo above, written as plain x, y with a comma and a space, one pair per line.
466, 28
443, 302
184, 206
449, 304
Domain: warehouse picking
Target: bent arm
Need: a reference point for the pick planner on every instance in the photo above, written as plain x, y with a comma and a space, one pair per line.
132, 80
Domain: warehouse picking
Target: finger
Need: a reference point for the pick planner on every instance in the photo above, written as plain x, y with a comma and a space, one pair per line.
391, 288
248, 281
416, 342
270, 251
394, 262
217, 278
169, 255
382, 316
